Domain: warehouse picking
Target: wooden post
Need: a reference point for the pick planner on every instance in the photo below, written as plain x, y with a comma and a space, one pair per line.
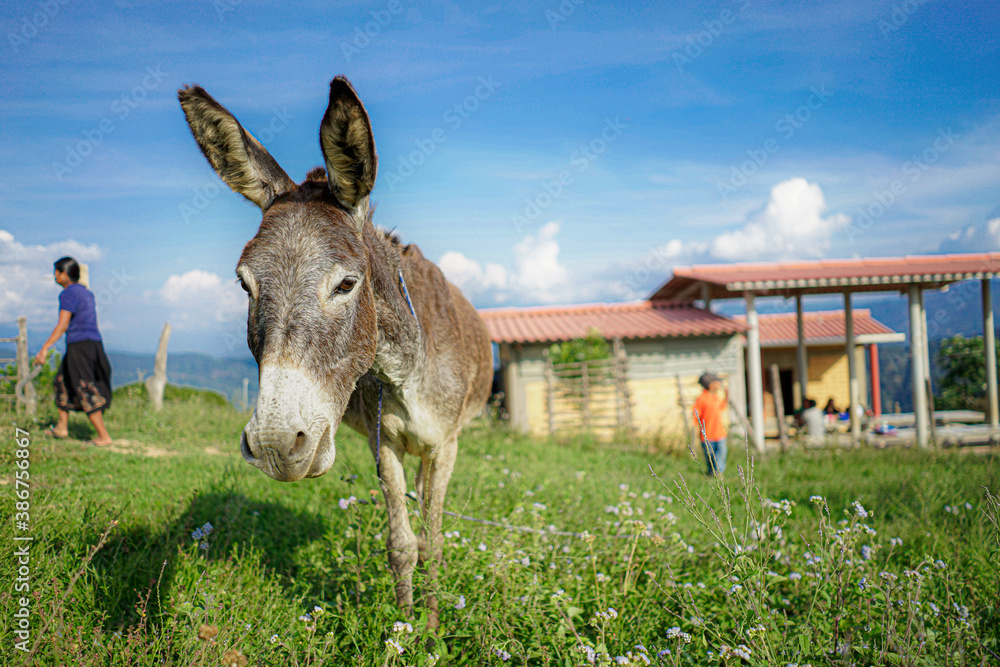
585, 382
621, 368
616, 345
779, 407
990, 358
687, 417
930, 411
549, 392
157, 382
24, 367
742, 419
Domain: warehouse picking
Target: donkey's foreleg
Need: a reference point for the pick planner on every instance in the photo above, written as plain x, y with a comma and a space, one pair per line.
436, 474
402, 542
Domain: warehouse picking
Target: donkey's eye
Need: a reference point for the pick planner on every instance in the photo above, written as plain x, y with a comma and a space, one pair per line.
346, 285
243, 284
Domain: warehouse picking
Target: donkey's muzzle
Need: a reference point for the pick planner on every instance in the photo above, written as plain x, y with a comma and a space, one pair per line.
290, 435
287, 454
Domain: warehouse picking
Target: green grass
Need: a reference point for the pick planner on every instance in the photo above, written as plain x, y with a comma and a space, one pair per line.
676, 556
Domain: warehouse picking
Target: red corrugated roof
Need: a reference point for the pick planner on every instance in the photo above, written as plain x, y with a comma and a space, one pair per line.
650, 319
641, 319
880, 273
781, 329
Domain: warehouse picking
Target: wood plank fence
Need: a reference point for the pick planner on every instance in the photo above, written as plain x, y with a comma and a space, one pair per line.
28, 402
590, 396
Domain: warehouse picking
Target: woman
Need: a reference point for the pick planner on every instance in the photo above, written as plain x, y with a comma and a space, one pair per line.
83, 383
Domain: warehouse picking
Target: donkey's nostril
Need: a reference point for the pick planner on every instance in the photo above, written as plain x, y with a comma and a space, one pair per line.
300, 441
245, 448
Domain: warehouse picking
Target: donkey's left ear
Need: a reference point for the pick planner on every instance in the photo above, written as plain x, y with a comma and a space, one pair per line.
348, 147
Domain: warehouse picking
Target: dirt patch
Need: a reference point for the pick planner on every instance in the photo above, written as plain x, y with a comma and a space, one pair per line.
123, 446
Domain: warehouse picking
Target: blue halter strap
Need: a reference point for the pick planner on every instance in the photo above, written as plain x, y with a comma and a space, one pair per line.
378, 424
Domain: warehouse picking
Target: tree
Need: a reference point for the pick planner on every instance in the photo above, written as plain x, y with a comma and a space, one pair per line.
963, 382
589, 348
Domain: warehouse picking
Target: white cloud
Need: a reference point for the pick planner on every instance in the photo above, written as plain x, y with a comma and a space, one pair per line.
536, 275
26, 284
974, 238
791, 226
469, 276
536, 262
199, 299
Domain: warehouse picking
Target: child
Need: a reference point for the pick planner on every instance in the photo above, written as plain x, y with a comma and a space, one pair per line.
709, 417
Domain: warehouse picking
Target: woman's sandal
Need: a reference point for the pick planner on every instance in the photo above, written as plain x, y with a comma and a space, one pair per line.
99, 444
51, 433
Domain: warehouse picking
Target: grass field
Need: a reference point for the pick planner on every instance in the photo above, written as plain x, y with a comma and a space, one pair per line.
819, 557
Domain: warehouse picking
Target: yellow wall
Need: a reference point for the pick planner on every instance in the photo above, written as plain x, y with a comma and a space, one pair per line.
828, 375
654, 401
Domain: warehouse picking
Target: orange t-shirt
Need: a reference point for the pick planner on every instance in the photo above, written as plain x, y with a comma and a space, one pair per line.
710, 410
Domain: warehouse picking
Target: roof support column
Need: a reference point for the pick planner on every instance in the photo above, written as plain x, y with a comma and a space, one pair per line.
802, 362
990, 352
854, 392
876, 380
917, 358
754, 374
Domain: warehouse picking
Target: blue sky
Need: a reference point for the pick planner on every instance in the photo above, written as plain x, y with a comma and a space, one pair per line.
541, 152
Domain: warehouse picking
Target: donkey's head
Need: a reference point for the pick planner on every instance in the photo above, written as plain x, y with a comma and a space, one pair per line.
311, 321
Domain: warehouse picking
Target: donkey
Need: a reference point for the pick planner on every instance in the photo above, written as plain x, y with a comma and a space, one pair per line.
348, 324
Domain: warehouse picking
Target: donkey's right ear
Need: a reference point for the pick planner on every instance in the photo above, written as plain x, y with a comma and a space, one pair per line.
236, 156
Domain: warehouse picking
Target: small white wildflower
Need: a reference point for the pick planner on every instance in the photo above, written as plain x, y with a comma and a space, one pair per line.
394, 645
502, 654
402, 626
859, 510
461, 602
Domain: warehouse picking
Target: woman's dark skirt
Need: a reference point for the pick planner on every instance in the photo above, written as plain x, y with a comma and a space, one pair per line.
83, 383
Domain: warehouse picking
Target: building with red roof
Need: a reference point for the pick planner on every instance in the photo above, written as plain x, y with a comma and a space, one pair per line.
667, 346
664, 343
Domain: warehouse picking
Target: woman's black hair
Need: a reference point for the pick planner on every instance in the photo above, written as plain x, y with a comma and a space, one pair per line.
69, 266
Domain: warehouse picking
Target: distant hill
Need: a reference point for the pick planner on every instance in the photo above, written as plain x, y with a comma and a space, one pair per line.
190, 369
